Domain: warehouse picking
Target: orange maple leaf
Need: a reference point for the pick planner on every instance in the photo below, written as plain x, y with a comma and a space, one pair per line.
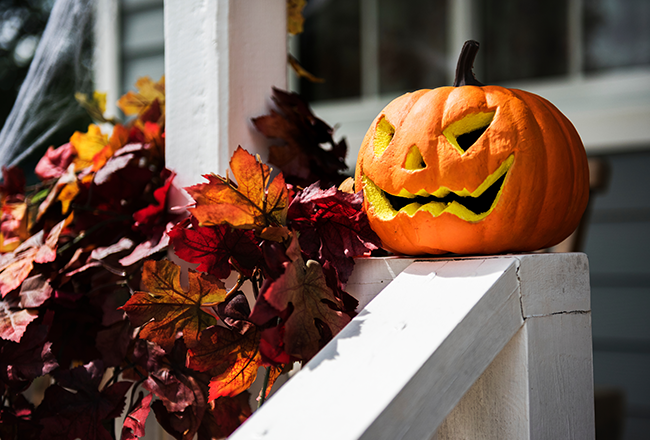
251, 203
87, 145
135, 103
166, 309
118, 139
230, 357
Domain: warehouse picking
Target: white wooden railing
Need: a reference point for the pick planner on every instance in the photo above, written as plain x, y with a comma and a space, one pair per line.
470, 348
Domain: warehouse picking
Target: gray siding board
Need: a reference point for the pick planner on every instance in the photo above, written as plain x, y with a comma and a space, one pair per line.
629, 372
619, 248
621, 314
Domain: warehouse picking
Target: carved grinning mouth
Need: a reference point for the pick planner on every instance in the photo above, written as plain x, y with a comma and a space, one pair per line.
469, 206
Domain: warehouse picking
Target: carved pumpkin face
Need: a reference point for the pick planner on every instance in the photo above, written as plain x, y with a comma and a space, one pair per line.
472, 169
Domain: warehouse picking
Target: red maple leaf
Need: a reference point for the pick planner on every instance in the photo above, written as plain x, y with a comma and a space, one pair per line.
214, 246
165, 309
254, 202
147, 218
29, 359
313, 313
302, 158
333, 227
76, 408
226, 415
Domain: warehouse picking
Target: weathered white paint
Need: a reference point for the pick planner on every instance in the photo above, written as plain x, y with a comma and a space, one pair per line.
401, 368
374, 275
222, 57
544, 375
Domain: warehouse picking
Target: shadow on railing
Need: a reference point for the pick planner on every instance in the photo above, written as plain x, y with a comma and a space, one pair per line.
480, 348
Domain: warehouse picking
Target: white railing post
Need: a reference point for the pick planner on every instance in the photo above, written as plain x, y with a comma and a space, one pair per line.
480, 348
221, 59
541, 384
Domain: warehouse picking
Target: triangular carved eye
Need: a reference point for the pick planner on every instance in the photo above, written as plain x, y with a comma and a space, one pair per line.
414, 160
383, 135
464, 133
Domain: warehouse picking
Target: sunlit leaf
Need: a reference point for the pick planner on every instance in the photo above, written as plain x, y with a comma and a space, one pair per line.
232, 359
14, 319
254, 202
165, 309
134, 103
87, 145
55, 161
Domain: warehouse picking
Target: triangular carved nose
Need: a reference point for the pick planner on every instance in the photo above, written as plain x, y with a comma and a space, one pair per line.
414, 160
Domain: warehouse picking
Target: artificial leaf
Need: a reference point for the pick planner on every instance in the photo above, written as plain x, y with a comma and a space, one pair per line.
234, 312
166, 309
87, 145
133, 427
147, 218
274, 372
347, 186
174, 392
146, 356
157, 243
122, 245
232, 359
302, 72
29, 359
14, 319
212, 247
34, 291
226, 415
13, 225
113, 342
252, 203
295, 19
95, 105
69, 177
76, 408
16, 266
333, 227
55, 162
13, 182
67, 195
302, 157
118, 139
303, 288
134, 103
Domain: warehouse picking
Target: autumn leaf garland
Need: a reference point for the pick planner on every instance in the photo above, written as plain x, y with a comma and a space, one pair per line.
85, 287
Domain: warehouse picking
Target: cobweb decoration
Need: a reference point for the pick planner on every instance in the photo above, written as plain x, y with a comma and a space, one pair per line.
62, 65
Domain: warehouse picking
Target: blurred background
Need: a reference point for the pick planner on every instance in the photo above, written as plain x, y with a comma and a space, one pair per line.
591, 58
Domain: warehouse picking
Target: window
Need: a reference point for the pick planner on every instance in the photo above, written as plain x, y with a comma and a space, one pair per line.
591, 58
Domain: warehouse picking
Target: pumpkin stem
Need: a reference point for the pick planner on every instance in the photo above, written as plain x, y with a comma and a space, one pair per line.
464, 74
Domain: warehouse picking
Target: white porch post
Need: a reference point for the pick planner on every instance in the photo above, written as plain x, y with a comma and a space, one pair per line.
221, 59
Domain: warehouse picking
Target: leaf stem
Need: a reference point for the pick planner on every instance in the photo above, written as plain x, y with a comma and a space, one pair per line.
265, 385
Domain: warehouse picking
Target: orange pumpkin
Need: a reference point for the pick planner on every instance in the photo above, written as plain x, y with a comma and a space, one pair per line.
472, 169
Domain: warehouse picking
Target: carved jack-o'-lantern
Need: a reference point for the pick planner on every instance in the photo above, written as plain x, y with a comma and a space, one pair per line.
472, 169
